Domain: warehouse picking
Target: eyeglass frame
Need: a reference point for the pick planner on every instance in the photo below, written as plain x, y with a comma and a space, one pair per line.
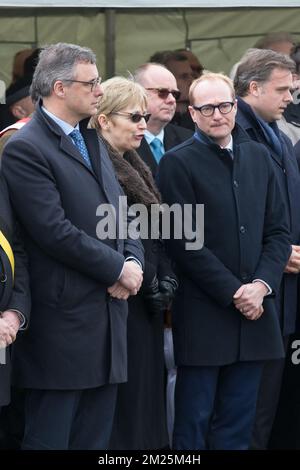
163, 91
214, 107
132, 116
93, 83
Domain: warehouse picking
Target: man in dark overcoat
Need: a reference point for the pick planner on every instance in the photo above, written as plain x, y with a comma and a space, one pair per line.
224, 317
74, 354
263, 83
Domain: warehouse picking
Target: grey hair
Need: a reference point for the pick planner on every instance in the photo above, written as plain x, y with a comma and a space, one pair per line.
257, 65
57, 62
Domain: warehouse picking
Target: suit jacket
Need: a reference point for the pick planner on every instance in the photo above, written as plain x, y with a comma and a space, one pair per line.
297, 152
14, 294
245, 238
77, 337
288, 176
173, 136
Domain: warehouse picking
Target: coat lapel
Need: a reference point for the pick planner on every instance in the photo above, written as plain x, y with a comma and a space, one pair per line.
147, 156
169, 138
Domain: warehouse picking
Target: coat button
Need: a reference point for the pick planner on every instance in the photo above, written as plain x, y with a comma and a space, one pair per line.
244, 276
242, 229
235, 184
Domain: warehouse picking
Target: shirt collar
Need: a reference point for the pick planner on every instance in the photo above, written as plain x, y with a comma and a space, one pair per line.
149, 137
205, 139
229, 146
65, 126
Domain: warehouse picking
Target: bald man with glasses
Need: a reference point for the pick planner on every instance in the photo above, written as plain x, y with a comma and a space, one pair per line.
162, 96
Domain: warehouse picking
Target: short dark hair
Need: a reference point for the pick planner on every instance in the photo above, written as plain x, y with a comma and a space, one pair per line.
295, 56
163, 57
257, 65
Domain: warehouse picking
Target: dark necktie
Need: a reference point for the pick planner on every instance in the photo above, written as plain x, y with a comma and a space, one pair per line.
230, 153
156, 147
80, 144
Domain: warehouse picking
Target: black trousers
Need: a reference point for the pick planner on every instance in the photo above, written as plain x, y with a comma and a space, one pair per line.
69, 420
267, 401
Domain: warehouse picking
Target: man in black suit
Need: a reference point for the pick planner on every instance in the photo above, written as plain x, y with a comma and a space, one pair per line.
263, 83
74, 354
162, 93
224, 318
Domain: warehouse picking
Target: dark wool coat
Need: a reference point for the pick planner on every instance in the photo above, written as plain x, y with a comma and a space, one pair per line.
245, 238
77, 337
140, 416
14, 294
288, 176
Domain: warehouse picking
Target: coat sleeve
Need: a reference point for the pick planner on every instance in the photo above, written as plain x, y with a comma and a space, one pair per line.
276, 237
38, 206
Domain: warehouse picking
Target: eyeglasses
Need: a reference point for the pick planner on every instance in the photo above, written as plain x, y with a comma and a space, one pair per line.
163, 93
134, 117
92, 83
208, 110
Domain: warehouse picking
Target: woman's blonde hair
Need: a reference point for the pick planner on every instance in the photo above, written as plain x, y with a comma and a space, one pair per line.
118, 94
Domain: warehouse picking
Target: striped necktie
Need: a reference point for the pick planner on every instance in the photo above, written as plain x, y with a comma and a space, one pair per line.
78, 140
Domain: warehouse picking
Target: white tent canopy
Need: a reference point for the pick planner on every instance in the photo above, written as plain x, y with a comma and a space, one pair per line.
148, 4
124, 34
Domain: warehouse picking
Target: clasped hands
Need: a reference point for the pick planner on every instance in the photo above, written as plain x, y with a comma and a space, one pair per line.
9, 326
129, 282
248, 299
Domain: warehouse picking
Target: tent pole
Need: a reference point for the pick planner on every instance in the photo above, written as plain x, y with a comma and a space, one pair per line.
110, 36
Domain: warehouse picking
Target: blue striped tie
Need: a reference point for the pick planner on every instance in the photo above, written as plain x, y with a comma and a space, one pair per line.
80, 144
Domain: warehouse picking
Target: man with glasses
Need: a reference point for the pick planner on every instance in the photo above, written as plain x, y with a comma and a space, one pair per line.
162, 94
74, 353
224, 318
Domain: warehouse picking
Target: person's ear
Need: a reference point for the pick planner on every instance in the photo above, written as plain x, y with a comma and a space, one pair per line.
59, 89
18, 111
192, 112
254, 88
104, 122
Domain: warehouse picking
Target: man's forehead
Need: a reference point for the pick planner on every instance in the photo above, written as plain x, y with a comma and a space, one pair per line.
84, 68
211, 88
280, 74
160, 78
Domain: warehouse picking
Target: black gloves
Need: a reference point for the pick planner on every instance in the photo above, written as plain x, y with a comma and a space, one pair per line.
168, 286
159, 294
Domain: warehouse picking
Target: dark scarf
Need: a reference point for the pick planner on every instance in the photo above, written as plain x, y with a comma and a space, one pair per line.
134, 176
270, 130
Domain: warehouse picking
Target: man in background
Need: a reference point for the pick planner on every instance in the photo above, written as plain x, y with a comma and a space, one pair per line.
263, 83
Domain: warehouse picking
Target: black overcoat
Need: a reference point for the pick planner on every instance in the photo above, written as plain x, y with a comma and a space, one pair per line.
14, 294
288, 176
77, 337
245, 238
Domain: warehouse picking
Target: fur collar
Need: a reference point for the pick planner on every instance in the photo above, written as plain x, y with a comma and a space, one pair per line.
134, 176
